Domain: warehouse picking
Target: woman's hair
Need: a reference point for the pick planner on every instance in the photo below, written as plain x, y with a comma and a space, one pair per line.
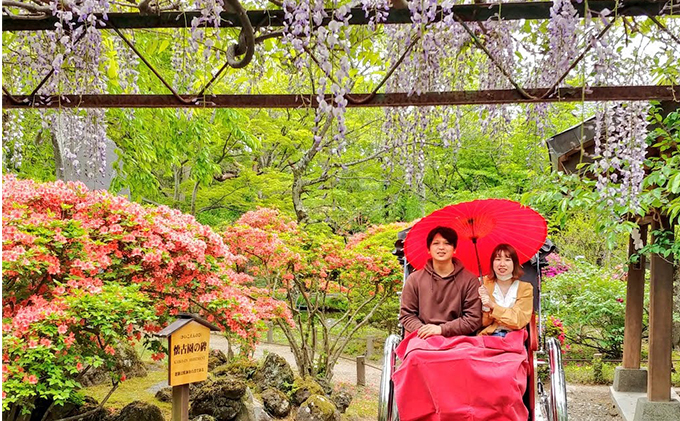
449, 235
509, 251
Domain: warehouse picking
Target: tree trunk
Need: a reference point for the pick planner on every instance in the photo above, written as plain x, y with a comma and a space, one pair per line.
58, 161
193, 199
296, 191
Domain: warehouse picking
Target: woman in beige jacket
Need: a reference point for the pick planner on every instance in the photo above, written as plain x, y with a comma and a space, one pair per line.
507, 302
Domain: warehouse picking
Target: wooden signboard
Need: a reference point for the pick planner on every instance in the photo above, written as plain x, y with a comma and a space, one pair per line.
188, 348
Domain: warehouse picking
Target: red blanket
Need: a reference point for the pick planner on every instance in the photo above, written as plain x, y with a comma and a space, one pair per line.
462, 378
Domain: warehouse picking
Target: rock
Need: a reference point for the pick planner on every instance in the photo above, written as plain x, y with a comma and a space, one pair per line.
304, 388
325, 385
165, 394
140, 411
247, 403
259, 411
274, 372
71, 410
204, 417
127, 362
276, 402
216, 358
219, 398
317, 408
342, 398
242, 368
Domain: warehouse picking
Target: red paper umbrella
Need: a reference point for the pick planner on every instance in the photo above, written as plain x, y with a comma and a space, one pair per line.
481, 225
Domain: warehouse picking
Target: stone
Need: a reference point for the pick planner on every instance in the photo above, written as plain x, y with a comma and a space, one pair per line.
204, 417
242, 368
275, 372
127, 362
630, 380
317, 408
220, 398
276, 403
70, 410
304, 388
342, 398
140, 411
247, 403
165, 394
216, 358
325, 385
657, 411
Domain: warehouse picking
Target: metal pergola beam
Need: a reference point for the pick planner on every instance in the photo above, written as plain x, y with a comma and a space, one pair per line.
275, 18
509, 96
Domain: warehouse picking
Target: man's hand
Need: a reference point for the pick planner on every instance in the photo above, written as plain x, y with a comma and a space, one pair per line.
429, 330
484, 296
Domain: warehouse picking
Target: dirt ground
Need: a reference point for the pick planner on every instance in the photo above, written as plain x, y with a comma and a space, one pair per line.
585, 403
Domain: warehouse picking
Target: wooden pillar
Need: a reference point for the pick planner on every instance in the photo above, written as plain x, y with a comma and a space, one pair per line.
660, 323
369, 346
270, 333
635, 293
180, 403
361, 370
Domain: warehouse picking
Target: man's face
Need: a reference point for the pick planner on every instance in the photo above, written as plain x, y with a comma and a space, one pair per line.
440, 249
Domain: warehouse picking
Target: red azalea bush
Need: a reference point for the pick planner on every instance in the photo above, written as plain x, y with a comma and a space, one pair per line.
83, 270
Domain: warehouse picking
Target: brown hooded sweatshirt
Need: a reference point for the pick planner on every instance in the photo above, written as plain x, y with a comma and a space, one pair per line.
451, 301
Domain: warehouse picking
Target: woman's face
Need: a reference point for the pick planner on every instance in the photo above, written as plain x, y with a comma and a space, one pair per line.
502, 265
440, 249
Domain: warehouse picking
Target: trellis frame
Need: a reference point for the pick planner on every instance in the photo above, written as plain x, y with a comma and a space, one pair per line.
274, 18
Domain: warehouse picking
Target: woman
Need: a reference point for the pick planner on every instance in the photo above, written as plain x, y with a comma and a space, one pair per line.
507, 302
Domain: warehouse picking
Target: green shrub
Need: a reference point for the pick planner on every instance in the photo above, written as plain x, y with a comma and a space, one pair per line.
591, 304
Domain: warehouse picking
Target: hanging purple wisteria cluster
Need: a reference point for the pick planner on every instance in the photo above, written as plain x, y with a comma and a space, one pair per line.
620, 152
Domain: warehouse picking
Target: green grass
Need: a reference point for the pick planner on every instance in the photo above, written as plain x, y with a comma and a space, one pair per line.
134, 389
364, 406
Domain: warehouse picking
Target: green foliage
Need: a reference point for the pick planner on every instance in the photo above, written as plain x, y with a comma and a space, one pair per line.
55, 359
578, 238
590, 303
565, 196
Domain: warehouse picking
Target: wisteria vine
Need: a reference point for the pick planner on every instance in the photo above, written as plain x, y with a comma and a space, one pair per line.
436, 52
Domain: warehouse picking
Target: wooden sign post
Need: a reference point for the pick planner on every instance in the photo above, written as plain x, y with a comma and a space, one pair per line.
188, 349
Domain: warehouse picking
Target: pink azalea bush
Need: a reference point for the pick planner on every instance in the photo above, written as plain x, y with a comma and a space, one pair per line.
84, 270
556, 266
317, 272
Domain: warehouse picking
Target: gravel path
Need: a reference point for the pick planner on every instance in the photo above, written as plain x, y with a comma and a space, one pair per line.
591, 403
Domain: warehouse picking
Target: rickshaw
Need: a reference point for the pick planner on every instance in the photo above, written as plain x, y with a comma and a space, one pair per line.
544, 401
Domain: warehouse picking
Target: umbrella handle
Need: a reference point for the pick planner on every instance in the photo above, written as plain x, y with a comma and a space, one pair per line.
479, 263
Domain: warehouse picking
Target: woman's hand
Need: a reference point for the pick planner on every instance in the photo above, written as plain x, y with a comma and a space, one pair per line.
429, 330
484, 296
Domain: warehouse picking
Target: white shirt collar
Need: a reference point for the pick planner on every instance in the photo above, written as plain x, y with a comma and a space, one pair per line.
509, 299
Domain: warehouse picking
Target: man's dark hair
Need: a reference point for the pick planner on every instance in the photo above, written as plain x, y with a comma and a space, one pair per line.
449, 235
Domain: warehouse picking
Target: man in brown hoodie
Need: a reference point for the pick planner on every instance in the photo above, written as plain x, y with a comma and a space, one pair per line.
442, 298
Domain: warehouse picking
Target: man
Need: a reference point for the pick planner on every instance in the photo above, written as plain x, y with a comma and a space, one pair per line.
442, 298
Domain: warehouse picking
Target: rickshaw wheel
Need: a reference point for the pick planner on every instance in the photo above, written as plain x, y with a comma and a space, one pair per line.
554, 405
387, 407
